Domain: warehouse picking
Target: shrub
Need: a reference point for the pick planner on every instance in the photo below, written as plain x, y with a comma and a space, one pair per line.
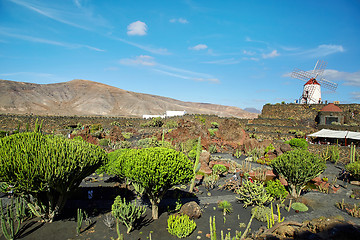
120, 145
154, 122
212, 131
180, 225
46, 169
269, 148
276, 189
171, 124
354, 169
261, 212
126, 213
210, 181
298, 143
214, 125
219, 169
212, 148
299, 207
253, 193
127, 135
76, 138
298, 167
225, 206
95, 128
104, 142
157, 170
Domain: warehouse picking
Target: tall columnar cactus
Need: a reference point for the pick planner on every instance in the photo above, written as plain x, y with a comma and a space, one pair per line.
197, 165
157, 170
46, 169
12, 218
126, 213
298, 167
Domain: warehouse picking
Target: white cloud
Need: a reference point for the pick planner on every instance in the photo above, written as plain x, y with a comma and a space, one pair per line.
322, 50
213, 80
228, 61
273, 54
160, 51
137, 28
249, 53
355, 95
144, 60
350, 79
179, 20
71, 14
5, 32
199, 47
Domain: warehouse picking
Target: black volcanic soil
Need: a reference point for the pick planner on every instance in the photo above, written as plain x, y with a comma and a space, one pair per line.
105, 190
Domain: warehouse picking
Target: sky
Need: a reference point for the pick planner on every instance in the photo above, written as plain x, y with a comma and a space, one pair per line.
236, 52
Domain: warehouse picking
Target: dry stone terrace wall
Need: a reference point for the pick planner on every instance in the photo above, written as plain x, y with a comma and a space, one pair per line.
303, 111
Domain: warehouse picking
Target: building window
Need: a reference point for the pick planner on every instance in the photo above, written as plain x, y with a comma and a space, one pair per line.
329, 120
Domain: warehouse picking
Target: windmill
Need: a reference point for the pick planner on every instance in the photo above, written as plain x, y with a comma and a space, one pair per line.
312, 91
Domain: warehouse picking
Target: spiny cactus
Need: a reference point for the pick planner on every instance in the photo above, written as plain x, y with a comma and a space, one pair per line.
253, 193
126, 213
12, 218
197, 165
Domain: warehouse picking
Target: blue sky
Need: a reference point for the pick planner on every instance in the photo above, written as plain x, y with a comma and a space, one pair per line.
234, 52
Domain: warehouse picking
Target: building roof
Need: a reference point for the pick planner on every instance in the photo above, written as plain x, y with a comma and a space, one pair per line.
326, 133
331, 108
312, 81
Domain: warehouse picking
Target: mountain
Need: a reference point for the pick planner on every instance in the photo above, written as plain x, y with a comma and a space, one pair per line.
252, 110
88, 98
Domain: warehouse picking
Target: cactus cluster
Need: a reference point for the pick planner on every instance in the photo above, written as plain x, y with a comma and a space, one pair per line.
180, 225
126, 212
45, 169
253, 193
11, 217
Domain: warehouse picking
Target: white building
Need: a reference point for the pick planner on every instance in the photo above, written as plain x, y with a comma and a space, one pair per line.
175, 113
311, 93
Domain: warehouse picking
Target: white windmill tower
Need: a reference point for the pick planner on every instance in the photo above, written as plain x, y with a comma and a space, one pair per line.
314, 82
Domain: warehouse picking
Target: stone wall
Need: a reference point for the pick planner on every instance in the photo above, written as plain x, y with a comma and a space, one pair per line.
308, 112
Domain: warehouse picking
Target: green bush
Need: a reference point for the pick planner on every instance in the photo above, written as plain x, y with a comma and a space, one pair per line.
212, 131
180, 225
171, 124
225, 206
127, 135
354, 169
299, 207
157, 170
213, 148
46, 169
3, 134
298, 143
126, 212
276, 189
219, 169
261, 212
96, 128
154, 122
214, 125
298, 167
253, 193
115, 163
104, 142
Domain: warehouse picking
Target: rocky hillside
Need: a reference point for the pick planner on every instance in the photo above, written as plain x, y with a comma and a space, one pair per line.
87, 98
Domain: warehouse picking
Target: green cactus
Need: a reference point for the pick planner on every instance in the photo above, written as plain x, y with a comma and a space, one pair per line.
212, 228
12, 218
45, 169
126, 213
253, 193
180, 225
197, 165
79, 220
298, 167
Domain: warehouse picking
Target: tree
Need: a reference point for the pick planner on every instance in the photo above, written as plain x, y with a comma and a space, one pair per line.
298, 167
157, 170
44, 170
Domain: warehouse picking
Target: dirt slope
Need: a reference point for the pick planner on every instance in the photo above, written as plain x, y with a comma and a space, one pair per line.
83, 97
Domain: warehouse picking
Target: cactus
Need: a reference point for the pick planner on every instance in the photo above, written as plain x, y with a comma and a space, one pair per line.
45, 169
126, 213
197, 165
180, 225
298, 167
225, 206
212, 228
79, 220
253, 193
12, 218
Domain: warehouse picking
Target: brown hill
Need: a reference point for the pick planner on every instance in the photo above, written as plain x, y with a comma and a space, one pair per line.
87, 98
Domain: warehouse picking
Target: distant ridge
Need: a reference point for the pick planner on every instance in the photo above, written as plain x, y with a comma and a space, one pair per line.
88, 98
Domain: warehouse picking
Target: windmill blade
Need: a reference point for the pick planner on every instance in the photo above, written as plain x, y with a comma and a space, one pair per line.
328, 84
302, 75
319, 68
